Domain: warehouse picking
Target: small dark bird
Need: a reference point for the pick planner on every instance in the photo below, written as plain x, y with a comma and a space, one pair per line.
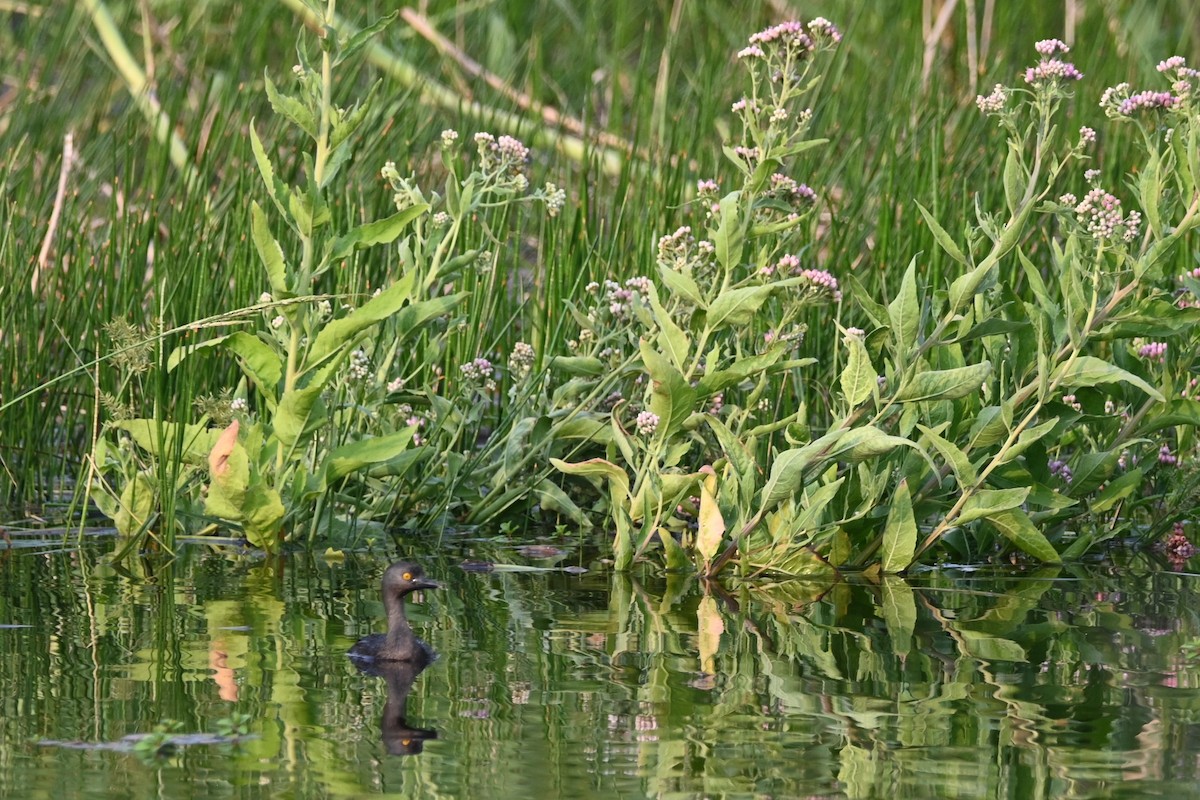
399, 643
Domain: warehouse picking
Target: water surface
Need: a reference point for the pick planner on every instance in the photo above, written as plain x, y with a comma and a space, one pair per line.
1050, 684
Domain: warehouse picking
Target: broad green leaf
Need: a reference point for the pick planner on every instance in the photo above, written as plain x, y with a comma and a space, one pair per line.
578, 365
1015, 178
904, 311
899, 612
381, 231
787, 471
263, 513
859, 379
742, 369
259, 362
352, 44
1176, 412
683, 285
738, 306
1091, 470
862, 297
899, 533
868, 441
279, 191
353, 456
553, 499
671, 338
1120, 489
1091, 371
194, 441
137, 503
1016, 526
813, 506
965, 287
339, 332
299, 411
269, 252
1026, 438
991, 425
671, 398
729, 236
598, 468
964, 470
675, 558
989, 502
291, 108
944, 384
943, 238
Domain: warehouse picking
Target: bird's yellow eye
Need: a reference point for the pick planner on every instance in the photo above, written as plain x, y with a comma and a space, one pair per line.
406, 742
408, 576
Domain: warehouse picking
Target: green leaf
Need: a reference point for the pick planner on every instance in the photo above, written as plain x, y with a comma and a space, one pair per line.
1091, 470
943, 239
1091, 371
193, 441
618, 480
989, 502
353, 456
671, 338
729, 236
137, 504
671, 398
1016, 526
742, 369
277, 189
1015, 178
269, 252
299, 412
813, 506
944, 384
859, 379
260, 363
1026, 438
738, 306
291, 108
900, 532
787, 471
682, 284
579, 365
904, 312
964, 470
1176, 412
1120, 489
359, 40
381, 231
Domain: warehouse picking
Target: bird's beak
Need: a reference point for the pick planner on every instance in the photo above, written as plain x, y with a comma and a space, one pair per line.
426, 584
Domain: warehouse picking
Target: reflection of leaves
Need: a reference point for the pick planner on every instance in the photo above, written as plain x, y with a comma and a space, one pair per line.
899, 613
709, 626
990, 648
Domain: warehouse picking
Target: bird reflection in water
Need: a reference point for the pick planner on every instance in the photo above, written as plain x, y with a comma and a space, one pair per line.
398, 657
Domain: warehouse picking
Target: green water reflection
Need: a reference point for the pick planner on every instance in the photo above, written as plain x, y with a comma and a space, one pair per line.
954, 684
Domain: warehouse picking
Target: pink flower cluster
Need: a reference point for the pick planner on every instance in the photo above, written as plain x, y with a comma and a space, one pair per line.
993, 103
1146, 102
1100, 213
1059, 469
1051, 71
1153, 351
822, 282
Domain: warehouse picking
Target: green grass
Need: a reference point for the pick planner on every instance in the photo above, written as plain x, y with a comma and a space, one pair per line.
135, 242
